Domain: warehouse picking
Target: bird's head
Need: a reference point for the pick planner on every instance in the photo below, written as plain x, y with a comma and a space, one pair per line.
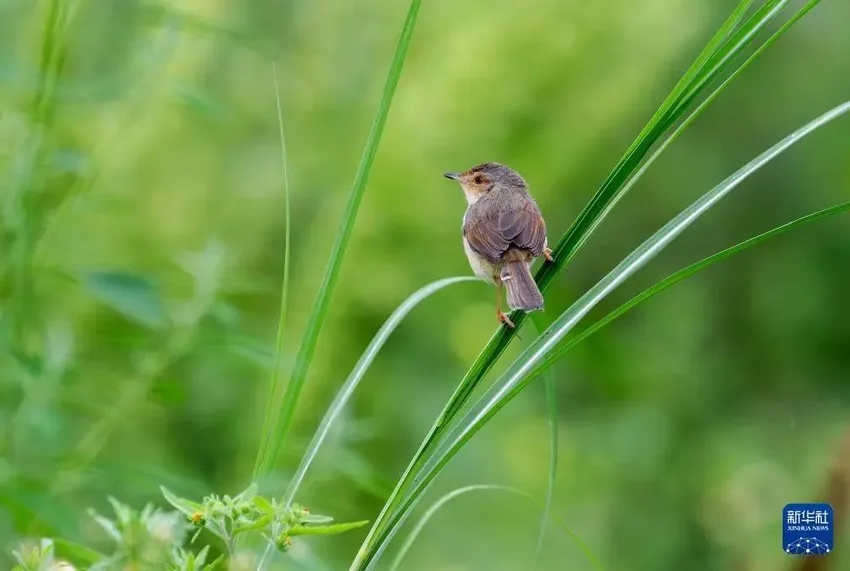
481, 179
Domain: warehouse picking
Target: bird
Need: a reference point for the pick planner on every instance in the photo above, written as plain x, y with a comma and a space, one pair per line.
503, 232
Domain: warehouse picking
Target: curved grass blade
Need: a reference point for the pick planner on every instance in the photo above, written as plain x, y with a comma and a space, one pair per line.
515, 378
408, 542
552, 406
552, 409
271, 443
350, 384
681, 275
611, 191
274, 387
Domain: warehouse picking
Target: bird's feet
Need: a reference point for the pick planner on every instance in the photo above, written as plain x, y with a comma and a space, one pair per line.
503, 318
547, 253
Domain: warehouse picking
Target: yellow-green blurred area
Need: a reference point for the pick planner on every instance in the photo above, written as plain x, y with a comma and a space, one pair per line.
142, 255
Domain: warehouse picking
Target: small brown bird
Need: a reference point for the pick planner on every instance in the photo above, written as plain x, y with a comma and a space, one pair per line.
503, 231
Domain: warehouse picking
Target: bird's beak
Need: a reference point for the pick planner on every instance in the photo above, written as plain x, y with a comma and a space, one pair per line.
452, 175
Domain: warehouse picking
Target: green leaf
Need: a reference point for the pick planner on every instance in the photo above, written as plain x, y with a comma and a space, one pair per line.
326, 529
130, 295
185, 506
274, 387
33, 556
315, 518
259, 523
264, 505
272, 442
517, 377
107, 524
350, 385
552, 408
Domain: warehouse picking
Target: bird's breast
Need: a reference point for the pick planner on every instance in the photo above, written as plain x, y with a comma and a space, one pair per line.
480, 265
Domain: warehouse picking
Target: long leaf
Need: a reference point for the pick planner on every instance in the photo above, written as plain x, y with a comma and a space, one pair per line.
552, 406
621, 179
350, 384
187, 507
272, 443
331, 529
274, 387
442, 501
516, 377
552, 409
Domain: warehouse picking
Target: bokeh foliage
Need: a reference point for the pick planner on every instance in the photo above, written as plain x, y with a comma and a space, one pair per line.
141, 258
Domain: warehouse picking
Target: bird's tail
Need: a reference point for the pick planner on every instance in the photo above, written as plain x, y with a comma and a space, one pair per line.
522, 291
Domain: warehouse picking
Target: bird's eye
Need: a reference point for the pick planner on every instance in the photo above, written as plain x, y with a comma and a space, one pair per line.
478, 179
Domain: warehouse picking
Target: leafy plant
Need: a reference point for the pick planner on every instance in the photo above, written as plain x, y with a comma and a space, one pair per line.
155, 539
38, 557
277, 522
149, 539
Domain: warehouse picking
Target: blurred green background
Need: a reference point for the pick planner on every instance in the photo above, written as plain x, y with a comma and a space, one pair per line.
147, 189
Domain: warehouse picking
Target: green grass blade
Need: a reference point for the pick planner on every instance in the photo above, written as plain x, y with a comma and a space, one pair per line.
274, 387
552, 410
272, 443
435, 507
19, 214
612, 190
552, 407
516, 376
677, 132
621, 179
696, 69
740, 39
348, 387
726, 29
681, 275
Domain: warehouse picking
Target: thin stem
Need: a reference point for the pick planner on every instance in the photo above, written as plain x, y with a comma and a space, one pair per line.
275, 440
274, 388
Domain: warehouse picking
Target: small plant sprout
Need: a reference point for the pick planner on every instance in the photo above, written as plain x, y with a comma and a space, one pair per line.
38, 556
228, 517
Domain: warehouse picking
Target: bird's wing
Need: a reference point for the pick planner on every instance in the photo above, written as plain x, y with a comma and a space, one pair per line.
524, 228
491, 234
